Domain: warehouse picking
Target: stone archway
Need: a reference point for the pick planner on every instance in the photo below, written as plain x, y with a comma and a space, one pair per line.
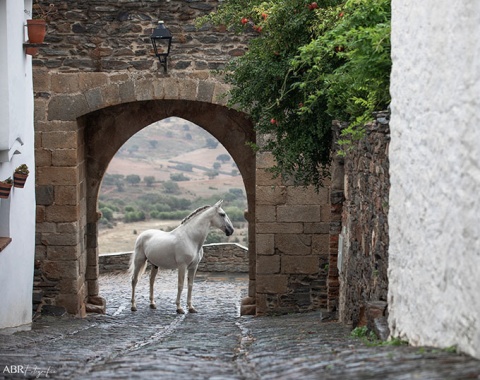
77, 135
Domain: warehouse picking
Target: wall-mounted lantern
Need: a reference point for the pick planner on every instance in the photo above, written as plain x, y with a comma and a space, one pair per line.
161, 41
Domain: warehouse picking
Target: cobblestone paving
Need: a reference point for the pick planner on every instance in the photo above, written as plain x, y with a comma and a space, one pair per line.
214, 344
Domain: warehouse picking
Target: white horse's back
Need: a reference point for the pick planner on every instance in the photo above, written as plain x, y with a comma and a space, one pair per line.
159, 248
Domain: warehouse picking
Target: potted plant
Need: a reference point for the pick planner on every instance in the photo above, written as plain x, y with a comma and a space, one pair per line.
37, 26
5, 187
20, 176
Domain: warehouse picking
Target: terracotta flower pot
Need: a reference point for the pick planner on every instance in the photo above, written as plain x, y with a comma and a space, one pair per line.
5, 190
36, 30
19, 179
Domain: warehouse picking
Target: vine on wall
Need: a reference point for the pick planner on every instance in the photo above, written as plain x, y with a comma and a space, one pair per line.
308, 64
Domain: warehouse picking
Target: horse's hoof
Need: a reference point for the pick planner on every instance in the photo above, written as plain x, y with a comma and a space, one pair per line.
153, 306
180, 311
133, 308
192, 310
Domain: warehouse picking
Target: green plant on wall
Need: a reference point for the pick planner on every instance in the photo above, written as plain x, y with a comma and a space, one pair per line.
307, 64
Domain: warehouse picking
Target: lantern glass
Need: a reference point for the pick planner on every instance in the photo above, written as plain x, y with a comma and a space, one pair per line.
161, 40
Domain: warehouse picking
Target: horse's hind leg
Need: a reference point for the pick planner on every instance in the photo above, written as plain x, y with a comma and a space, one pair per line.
138, 266
191, 277
153, 273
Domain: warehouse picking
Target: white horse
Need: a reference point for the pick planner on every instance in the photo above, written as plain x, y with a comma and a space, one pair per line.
180, 248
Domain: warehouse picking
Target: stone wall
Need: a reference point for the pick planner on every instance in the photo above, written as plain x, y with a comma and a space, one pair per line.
221, 257
363, 260
434, 296
96, 85
292, 240
110, 36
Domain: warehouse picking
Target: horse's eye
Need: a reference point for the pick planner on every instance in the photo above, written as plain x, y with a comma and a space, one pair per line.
222, 214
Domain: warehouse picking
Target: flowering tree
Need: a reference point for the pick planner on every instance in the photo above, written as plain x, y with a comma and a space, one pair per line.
308, 63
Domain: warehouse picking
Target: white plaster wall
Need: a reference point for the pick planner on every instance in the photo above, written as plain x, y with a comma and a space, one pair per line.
17, 213
434, 217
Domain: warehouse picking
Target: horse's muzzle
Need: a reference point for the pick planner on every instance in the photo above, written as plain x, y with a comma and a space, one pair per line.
229, 230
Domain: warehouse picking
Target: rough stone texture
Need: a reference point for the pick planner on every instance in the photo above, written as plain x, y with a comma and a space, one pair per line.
364, 260
292, 244
434, 295
215, 343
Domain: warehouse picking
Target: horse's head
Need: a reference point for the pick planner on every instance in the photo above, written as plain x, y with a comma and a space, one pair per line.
221, 219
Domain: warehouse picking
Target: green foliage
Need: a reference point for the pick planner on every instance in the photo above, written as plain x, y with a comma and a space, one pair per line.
133, 179
178, 177
134, 216
171, 187
370, 339
305, 67
149, 180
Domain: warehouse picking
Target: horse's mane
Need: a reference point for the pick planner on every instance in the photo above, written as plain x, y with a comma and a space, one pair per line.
194, 214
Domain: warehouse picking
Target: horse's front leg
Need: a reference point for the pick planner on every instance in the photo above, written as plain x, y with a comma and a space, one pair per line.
181, 280
153, 273
191, 277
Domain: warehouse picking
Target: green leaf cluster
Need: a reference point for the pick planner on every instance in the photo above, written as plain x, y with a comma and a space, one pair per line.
306, 66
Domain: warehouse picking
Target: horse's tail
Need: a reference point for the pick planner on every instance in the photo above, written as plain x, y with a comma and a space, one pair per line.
138, 260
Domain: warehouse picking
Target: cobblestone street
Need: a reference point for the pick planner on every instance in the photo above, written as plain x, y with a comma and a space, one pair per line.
216, 343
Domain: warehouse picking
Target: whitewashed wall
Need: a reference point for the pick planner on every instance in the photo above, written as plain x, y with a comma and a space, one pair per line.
434, 268
17, 214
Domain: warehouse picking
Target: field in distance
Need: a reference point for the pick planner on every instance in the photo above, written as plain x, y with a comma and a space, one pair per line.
159, 176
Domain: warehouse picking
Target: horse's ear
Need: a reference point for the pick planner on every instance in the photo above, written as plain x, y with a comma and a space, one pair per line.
218, 204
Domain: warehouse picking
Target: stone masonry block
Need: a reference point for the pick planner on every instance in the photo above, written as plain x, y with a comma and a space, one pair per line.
62, 83
268, 264
110, 95
127, 92
56, 270
307, 196
67, 107
66, 195
59, 140
271, 195
58, 239
57, 213
265, 214
158, 89
300, 264
73, 303
265, 160
144, 90
41, 81
68, 228
205, 91
64, 157
298, 213
265, 244
92, 272
220, 94
279, 228
294, 244
317, 228
54, 175
90, 80
272, 283
40, 111
43, 157
265, 178
321, 244
188, 89
170, 86
63, 253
